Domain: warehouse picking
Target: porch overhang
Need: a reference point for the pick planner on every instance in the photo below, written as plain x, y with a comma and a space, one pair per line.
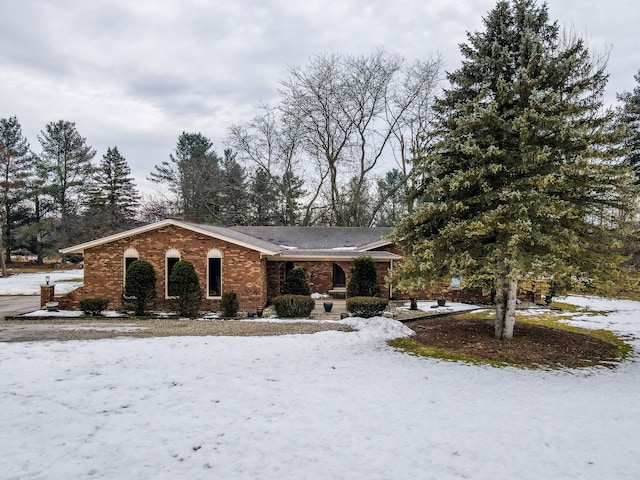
331, 256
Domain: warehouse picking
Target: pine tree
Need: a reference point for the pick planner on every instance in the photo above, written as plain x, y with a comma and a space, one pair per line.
65, 165
263, 197
16, 166
629, 116
525, 180
193, 175
391, 195
234, 196
113, 197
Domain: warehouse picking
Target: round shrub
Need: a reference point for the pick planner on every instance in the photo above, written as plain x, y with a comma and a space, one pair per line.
295, 282
185, 285
364, 278
93, 306
366, 307
229, 304
294, 306
140, 286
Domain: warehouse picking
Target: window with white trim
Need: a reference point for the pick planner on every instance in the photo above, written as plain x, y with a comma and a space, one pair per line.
171, 258
130, 255
214, 273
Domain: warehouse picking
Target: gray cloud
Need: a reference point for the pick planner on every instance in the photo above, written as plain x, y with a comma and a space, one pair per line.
136, 74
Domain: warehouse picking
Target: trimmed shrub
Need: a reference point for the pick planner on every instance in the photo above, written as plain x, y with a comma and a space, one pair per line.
140, 286
295, 282
186, 289
229, 304
364, 278
366, 307
291, 306
93, 306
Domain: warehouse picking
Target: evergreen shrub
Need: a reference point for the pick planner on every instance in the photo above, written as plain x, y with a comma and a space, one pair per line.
292, 306
140, 286
186, 289
364, 278
366, 307
229, 304
295, 282
93, 306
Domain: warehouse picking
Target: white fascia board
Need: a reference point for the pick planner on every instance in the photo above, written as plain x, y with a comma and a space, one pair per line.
153, 226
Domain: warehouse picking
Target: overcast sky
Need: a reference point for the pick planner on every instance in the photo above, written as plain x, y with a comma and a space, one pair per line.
135, 74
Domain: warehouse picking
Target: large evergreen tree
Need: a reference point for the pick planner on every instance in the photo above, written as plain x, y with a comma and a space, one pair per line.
192, 173
391, 195
16, 164
65, 166
113, 197
524, 179
629, 115
233, 207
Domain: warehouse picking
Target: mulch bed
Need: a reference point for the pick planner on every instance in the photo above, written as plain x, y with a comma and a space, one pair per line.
532, 345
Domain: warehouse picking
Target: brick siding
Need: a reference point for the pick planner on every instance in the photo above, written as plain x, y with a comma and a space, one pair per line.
319, 276
243, 271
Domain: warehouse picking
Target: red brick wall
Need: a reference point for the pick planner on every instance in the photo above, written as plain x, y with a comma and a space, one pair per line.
243, 271
322, 276
465, 294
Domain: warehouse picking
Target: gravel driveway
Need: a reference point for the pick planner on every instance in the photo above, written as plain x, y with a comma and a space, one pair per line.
86, 329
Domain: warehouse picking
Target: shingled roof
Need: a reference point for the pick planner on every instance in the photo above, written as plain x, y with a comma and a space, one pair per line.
313, 243
320, 238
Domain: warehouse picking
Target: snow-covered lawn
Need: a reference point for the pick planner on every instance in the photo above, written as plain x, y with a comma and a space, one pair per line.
29, 283
332, 405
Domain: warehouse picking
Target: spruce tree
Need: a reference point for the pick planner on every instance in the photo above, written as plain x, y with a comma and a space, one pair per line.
113, 197
16, 166
65, 165
193, 174
524, 180
629, 116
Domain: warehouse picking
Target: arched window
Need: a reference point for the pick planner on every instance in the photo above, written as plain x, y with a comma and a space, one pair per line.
171, 258
130, 256
214, 273
339, 278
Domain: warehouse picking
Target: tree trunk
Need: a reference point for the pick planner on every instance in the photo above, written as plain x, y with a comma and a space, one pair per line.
506, 295
3, 266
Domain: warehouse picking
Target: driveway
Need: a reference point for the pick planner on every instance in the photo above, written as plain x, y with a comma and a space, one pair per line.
17, 304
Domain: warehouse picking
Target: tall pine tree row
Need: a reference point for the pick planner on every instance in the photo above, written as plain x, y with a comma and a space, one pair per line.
524, 180
16, 163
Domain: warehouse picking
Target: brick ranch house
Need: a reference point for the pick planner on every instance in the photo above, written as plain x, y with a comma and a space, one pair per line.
250, 261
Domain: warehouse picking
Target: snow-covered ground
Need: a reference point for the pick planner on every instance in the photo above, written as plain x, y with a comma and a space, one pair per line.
29, 283
333, 405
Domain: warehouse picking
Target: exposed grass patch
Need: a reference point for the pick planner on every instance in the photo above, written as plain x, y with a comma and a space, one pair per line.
413, 347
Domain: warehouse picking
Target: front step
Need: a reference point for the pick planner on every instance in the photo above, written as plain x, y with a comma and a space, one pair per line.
325, 316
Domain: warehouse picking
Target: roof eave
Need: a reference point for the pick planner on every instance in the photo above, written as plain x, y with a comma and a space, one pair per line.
374, 245
153, 226
331, 256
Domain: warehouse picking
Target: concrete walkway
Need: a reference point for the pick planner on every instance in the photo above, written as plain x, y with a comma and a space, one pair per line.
18, 304
339, 307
